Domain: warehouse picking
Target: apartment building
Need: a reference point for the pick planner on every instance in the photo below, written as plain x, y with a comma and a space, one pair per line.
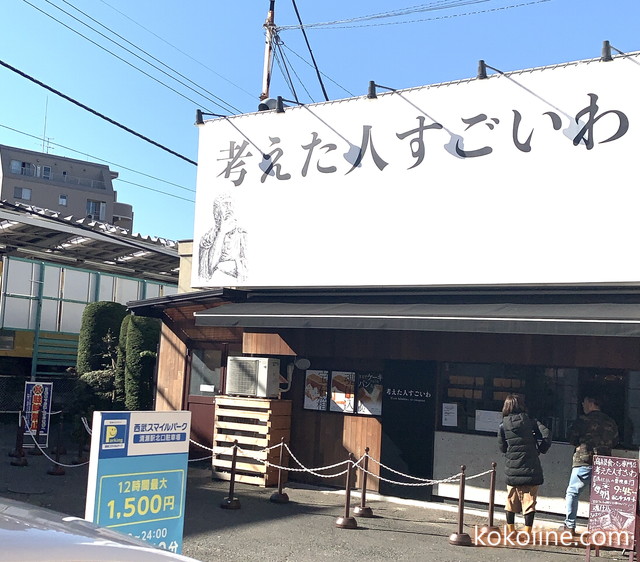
65, 185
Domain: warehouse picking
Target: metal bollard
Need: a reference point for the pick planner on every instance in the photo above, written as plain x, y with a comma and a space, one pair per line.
57, 469
461, 538
348, 522
490, 527
232, 502
280, 496
20, 458
363, 510
36, 449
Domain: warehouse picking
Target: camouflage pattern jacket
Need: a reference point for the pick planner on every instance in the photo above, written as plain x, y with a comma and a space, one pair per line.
594, 433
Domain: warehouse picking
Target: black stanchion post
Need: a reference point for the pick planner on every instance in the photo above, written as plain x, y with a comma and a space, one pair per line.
490, 527
232, 502
461, 538
348, 522
60, 446
280, 496
57, 469
36, 449
363, 510
20, 458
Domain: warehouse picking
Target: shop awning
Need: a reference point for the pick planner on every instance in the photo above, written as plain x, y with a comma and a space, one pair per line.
583, 319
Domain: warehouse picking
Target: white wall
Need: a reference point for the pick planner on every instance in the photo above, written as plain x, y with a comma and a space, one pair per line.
480, 204
477, 452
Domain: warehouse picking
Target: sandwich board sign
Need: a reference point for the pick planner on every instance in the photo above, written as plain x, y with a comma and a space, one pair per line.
138, 474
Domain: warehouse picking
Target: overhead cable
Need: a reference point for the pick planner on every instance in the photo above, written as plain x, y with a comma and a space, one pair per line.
313, 59
146, 53
349, 24
117, 56
179, 50
96, 113
121, 166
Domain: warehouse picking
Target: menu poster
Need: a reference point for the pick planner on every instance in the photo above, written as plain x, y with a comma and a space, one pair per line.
613, 501
315, 390
342, 391
370, 394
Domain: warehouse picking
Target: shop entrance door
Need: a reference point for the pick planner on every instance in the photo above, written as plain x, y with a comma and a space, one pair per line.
408, 426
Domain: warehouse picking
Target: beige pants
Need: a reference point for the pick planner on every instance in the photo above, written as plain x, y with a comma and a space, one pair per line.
521, 499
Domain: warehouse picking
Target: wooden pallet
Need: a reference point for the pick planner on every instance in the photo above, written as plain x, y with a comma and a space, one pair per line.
256, 423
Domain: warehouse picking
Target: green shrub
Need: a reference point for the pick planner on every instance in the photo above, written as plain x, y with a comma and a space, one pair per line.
99, 321
142, 339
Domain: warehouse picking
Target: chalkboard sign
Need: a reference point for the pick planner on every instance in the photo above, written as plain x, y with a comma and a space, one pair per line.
613, 502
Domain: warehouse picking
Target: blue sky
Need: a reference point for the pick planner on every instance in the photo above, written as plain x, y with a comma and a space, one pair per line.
215, 51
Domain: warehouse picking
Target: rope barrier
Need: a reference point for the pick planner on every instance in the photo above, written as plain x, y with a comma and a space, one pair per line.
32, 435
356, 464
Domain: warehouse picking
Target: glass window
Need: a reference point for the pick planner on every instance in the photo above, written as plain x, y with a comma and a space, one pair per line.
126, 290
7, 339
19, 313
472, 395
46, 172
75, 285
21, 168
62, 200
22, 277
96, 209
51, 286
106, 288
205, 372
23, 193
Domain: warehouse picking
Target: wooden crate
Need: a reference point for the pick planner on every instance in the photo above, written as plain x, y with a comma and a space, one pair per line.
257, 423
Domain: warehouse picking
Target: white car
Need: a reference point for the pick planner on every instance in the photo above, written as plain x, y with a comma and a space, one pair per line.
30, 533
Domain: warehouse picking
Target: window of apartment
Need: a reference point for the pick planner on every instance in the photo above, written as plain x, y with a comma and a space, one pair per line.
96, 209
21, 168
23, 193
46, 172
62, 200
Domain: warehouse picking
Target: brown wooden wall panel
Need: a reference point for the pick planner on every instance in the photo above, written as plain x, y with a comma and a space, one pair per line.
171, 371
266, 343
325, 438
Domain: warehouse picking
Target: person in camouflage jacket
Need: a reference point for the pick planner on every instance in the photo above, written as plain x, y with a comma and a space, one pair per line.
595, 433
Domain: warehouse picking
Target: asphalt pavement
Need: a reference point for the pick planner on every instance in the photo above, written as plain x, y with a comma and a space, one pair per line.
303, 529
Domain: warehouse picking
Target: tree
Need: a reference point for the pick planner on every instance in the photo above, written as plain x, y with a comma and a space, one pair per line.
119, 383
142, 339
98, 320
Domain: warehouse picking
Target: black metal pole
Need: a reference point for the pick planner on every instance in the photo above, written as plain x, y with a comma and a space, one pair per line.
232, 502
280, 496
57, 469
363, 510
20, 458
347, 522
461, 538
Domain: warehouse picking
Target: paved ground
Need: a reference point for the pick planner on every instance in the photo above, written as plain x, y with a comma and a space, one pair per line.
302, 530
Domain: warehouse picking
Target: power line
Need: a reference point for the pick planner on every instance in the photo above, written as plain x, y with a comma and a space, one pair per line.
156, 190
309, 64
313, 59
120, 166
179, 50
346, 24
119, 57
146, 53
96, 113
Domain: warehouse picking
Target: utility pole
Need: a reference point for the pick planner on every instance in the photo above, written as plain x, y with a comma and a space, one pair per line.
270, 28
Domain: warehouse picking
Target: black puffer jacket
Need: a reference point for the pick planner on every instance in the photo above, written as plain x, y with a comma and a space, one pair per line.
518, 438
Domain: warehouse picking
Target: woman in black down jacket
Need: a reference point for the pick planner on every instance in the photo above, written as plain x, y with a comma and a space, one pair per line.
521, 439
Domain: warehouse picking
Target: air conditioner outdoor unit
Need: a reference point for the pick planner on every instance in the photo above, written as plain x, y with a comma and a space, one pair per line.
253, 376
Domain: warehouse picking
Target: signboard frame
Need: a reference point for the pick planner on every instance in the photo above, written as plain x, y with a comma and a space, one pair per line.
138, 474
613, 504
